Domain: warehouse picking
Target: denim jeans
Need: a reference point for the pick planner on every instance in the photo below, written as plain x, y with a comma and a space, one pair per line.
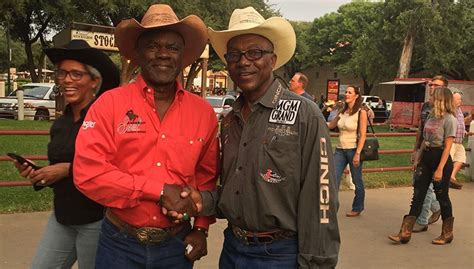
343, 157
281, 254
117, 249
62, 245
429, 204
423, 178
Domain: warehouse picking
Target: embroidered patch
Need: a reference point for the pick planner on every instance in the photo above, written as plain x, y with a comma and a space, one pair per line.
88, 124
281, 130
272, 177
285, 112
277, 95
130, 124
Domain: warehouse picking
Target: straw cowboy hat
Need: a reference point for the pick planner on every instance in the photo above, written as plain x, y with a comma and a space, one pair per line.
192, 29
79, 50
248, 21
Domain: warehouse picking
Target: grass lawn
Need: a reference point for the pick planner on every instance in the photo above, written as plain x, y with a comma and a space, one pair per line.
24, 199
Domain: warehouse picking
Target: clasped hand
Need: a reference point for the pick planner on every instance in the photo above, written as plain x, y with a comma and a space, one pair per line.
180, 203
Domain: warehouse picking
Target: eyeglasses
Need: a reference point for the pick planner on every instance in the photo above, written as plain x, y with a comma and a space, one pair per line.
251, 55
73, 74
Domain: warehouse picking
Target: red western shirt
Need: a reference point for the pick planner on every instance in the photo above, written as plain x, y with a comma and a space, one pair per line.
125, 153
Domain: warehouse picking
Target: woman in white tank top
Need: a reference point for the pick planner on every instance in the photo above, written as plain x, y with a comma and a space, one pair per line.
352, 125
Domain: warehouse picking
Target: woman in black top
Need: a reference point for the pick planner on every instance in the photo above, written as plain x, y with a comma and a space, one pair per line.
72, 231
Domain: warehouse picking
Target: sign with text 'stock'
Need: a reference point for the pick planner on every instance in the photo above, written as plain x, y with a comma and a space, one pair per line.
104, 41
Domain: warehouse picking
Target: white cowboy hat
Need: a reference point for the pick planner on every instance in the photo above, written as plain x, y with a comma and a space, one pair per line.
192, 29
248, 21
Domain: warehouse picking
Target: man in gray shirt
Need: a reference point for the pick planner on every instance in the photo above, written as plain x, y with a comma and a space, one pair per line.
278, 183
298, 84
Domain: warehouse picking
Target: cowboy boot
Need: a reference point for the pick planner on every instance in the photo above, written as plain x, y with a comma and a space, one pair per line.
446, 232
405, 231
434, 217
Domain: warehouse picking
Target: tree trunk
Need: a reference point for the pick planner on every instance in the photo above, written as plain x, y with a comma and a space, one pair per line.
407, 52
31, 63
193, 71
367, 87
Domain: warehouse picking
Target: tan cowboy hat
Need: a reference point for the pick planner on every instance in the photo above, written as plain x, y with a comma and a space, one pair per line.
248, 21
192, 29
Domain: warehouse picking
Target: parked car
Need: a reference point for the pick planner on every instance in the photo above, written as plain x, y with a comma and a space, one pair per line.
222, 104
39, 102
371, 100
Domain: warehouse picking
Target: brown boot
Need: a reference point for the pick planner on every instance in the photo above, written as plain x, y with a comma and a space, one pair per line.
453, 183
446, 232
434, 217
405, 231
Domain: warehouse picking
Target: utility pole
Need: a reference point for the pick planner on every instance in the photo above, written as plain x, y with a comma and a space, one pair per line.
9, 55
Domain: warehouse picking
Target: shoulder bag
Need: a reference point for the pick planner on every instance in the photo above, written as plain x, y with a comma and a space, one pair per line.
370, 151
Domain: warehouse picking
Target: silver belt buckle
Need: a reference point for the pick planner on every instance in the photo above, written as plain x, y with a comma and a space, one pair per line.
240, 234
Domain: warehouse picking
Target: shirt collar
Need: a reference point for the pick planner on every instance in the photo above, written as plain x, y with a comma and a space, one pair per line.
68, 110
269, 99
144, 87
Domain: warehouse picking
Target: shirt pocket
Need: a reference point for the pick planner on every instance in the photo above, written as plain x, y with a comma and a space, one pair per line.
184, 155
278, 162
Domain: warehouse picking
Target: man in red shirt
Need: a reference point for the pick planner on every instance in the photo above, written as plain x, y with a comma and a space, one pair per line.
140, 142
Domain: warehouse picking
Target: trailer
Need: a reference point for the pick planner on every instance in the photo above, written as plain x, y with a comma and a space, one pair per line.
411, 93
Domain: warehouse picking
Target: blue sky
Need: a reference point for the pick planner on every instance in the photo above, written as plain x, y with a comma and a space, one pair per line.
306, 10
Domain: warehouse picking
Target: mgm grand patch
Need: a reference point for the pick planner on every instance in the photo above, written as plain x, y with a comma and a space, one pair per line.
285, 112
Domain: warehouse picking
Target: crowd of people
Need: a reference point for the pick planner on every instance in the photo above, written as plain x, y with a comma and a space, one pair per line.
134, 168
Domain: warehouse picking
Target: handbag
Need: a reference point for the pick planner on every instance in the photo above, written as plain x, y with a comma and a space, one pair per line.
370, 151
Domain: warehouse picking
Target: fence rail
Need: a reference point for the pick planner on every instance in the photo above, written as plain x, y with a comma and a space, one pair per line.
14, 183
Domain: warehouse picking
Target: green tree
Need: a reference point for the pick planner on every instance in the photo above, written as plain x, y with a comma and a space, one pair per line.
450, 46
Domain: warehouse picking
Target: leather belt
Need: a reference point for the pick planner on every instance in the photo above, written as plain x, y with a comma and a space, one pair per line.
144, 235
249, 237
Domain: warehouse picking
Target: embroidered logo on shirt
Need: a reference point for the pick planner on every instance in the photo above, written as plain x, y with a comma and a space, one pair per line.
282, 130
272, 177
130, 124
285, 112
88, 124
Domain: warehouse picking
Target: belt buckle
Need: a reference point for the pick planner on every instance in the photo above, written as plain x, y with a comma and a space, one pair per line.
240, 234
151, 235
427, 144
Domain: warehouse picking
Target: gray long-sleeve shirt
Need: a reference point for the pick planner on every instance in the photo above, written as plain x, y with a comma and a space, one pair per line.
278, 173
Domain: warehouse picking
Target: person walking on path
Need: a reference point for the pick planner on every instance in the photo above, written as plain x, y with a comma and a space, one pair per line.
145, 140
352, 125
72, 231
458, 153
435, 166
430, 203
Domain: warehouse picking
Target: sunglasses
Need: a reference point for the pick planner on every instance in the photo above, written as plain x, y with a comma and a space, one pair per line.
251, 55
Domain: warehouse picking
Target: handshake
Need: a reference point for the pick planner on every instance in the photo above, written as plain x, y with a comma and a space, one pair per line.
180, 203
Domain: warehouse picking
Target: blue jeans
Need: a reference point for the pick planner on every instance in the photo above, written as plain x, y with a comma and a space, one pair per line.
430, 203
117, 249
280, 254
343, 157
62, 245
